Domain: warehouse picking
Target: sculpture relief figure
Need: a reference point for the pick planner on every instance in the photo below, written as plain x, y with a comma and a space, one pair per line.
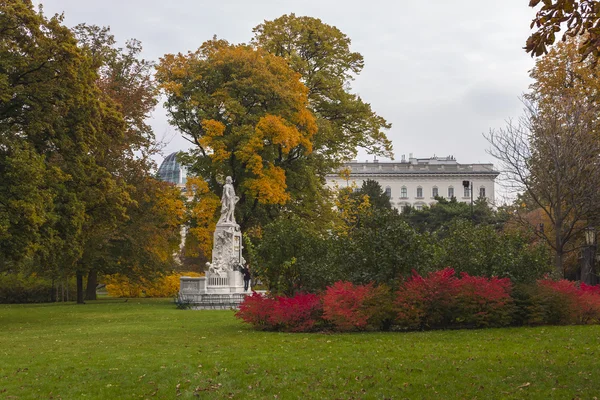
228, 201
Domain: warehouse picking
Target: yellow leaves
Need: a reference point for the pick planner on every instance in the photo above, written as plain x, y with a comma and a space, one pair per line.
212, 140
349, 208
202, 211
278, 131
269, 187
118, 285
344, 173
247, 110
170, 72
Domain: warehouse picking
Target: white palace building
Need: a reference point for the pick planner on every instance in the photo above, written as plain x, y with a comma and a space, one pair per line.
417, 181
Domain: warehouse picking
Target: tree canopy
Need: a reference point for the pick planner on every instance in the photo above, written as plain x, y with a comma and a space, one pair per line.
574, 17
246, 111
321, 54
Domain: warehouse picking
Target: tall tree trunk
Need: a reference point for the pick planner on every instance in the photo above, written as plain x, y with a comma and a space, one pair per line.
558, 263
92, 283
79, 275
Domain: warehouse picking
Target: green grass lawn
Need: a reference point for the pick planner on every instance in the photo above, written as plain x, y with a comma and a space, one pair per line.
111, 349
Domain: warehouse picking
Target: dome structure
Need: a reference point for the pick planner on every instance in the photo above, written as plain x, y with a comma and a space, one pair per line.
171, 171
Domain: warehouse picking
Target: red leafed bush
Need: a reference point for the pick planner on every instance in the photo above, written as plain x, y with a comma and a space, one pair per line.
483, 302
300, 313
256, 310
427, 302
344, 305
442, 300
563, 302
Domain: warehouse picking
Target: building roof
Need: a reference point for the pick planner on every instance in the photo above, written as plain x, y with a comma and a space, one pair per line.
171, 171
419, 166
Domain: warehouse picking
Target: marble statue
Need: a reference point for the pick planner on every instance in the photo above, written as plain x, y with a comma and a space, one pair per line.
228, 202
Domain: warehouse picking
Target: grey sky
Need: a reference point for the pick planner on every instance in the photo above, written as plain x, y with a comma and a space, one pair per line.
442, 72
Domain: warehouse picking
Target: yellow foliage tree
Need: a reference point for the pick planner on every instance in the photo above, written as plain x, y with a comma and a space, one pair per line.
247, 113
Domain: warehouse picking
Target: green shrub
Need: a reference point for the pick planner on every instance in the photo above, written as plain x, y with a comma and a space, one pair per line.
29, 288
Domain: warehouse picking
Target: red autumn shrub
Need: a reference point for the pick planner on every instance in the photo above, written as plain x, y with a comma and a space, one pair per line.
256, 310
442, 300
563, 302
300, 313
344, 305
483, 302
427, 302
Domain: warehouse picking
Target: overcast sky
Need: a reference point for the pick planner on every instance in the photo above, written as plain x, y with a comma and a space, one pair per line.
442, 72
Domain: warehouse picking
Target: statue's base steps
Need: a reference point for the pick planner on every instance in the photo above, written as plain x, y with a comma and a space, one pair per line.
212, 301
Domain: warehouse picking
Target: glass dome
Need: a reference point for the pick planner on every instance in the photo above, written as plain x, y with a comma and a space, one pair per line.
171, 171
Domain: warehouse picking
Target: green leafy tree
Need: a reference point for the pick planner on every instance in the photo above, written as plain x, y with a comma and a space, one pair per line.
51, 105
377, 197
127, 81
480, 250
435, 218
294, 255
321, 54
382, 248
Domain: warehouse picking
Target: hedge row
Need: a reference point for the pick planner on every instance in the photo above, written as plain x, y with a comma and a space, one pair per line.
440, 300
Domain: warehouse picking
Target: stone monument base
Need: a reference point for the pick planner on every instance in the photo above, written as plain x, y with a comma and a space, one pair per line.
213, 291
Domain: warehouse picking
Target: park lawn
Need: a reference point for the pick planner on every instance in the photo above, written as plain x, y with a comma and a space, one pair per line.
112, 349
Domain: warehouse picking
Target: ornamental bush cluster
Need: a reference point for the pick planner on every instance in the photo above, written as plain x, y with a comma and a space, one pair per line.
440, 300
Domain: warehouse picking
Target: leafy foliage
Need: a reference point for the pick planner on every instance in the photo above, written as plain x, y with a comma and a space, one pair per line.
246, 111
118, 285
351, 307
437, 217
382, 248
293, 256
579, 17
482, 251
301, 313
321, 54
377, 197
443, 300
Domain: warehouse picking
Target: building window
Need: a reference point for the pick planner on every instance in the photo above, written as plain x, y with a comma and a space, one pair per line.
481, 192
420, 192
404, 192
419, 207
434, 192
450, 192
388, 191
466, 192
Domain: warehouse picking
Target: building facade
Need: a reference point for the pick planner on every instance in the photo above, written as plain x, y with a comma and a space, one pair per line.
417, 181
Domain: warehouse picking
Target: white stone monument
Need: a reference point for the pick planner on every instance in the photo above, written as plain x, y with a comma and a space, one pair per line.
223, 285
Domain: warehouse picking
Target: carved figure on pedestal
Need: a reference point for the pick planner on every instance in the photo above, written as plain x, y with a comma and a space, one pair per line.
228, 202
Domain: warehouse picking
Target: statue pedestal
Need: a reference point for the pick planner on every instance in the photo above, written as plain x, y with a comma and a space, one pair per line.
224, 283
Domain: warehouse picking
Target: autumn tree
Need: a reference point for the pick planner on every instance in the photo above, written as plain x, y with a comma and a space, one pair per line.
321, 54
552, 152
246, 112
72, 128
574, 17
127, 81
52, 112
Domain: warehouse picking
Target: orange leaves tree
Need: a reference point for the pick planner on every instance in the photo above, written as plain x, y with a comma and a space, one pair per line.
247, 113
